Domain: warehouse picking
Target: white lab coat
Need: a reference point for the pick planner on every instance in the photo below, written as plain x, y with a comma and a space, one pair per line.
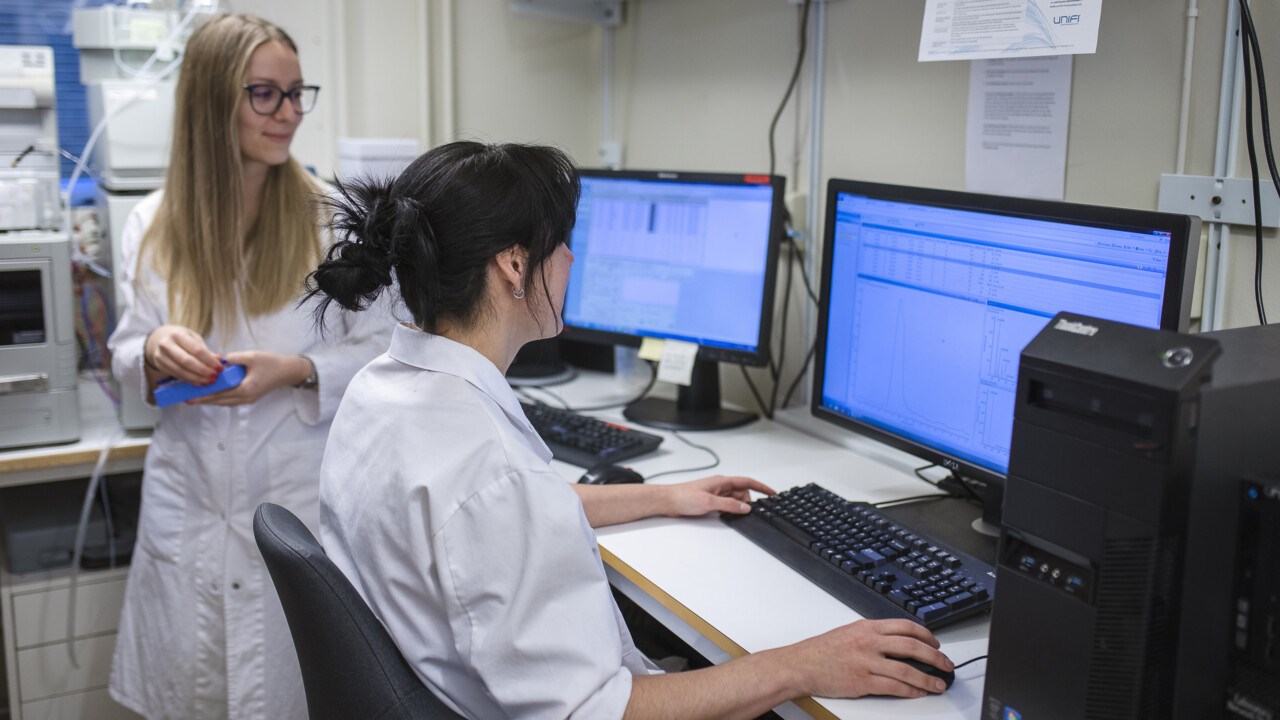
202, 633
437, 501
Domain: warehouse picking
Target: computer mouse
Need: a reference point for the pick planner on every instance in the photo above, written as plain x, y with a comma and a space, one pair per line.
946, 676
610, 475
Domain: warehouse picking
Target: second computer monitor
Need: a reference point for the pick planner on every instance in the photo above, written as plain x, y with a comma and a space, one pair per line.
929, 296
678, 256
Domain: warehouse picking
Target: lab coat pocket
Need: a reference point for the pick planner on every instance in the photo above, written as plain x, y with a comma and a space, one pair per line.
164, 501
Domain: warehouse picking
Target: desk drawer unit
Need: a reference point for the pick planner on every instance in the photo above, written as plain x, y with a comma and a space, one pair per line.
43, 684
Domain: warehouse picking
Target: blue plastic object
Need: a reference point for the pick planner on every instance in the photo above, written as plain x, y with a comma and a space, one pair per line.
171, 391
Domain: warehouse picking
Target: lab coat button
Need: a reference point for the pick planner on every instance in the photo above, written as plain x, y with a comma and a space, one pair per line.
235, 586
222, 446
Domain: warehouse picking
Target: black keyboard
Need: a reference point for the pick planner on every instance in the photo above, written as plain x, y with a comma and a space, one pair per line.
587, 441
867, 561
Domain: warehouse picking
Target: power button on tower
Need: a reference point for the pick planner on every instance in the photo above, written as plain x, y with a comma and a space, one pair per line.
1177, 357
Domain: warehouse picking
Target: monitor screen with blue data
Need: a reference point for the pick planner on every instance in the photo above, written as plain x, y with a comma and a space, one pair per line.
929, 296
676, 256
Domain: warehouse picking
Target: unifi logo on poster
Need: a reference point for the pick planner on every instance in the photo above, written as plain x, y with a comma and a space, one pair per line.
1066, 20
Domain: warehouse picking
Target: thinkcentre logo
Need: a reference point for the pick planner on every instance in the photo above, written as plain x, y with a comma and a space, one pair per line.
1078, 328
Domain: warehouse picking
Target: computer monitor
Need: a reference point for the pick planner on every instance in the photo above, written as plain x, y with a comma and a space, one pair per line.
678, 256
929, 296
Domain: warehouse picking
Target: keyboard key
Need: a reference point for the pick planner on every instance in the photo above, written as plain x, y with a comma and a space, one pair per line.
931, 612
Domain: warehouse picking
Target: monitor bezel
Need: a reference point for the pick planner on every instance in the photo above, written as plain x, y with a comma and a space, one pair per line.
756, 358
1179, 281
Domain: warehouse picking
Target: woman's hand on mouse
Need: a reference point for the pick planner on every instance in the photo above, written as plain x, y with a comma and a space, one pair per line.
717, 493
857, 659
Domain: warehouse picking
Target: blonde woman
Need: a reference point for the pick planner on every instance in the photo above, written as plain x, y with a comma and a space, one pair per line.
215, 265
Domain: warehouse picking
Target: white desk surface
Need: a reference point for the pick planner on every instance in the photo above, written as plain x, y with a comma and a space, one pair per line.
98, 426
706, 577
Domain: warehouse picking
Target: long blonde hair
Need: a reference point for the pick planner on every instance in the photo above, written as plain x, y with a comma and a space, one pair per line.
215, 266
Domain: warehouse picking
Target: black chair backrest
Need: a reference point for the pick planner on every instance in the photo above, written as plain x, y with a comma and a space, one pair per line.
350, 666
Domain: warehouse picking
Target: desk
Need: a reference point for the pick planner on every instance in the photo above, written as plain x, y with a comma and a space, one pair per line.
40, 679
98, 425
725, 596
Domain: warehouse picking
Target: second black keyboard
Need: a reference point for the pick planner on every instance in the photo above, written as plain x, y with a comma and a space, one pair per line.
877, 567
586, 441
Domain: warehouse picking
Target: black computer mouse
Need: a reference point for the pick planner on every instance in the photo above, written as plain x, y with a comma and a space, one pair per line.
946, 676
610, 475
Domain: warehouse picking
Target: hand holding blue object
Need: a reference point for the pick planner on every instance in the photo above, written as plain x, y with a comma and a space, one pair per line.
171, 391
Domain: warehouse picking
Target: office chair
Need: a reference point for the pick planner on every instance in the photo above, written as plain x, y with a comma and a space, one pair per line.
350, 666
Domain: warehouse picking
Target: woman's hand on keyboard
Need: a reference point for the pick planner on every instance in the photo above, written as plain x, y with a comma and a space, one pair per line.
717, 493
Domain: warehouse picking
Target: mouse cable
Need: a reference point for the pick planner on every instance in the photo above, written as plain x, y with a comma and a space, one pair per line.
970, 661
715, 459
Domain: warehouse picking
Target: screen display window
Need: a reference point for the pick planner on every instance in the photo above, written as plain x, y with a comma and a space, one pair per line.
930, 308
22, 311
678, 260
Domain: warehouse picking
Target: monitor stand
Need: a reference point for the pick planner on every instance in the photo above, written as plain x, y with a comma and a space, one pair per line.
696, 407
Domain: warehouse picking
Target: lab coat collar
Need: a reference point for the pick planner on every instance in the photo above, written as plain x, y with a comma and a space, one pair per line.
436, 353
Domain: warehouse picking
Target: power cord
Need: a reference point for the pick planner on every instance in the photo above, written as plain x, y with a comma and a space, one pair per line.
564, 404
775, 368
910, 498
1252, 57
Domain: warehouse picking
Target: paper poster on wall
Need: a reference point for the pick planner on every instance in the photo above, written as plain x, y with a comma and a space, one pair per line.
983, 29
1016, 140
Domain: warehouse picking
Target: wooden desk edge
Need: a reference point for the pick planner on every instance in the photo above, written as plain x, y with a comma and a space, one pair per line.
76, 457
809, 705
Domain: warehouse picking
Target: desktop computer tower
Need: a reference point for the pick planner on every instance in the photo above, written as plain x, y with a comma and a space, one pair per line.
1229, 635
1120, 571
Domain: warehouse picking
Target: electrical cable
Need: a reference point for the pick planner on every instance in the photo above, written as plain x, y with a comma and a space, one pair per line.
1264, 107
564, 404
813, 346
970, 661
91, 492
775, 370
1247, 38
109, 523
1251, 50
751, 384
910, 498
715, 458
653, 378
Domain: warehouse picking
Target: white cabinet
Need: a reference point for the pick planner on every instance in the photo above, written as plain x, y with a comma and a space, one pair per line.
43, 683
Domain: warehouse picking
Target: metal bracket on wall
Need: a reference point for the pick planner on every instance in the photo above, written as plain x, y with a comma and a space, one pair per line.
596, 12
1217, 199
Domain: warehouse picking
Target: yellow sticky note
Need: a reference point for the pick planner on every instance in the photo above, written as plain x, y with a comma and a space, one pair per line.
651, 349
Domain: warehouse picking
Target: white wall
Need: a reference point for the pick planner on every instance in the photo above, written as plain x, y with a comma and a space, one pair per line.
698, 80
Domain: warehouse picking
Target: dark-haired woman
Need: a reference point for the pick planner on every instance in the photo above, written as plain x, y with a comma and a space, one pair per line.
437, 498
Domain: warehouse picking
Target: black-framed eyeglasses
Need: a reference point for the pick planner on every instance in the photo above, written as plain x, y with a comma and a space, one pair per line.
266, 99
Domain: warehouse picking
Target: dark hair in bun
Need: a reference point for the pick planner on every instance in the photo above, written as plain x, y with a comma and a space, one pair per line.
434, 228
